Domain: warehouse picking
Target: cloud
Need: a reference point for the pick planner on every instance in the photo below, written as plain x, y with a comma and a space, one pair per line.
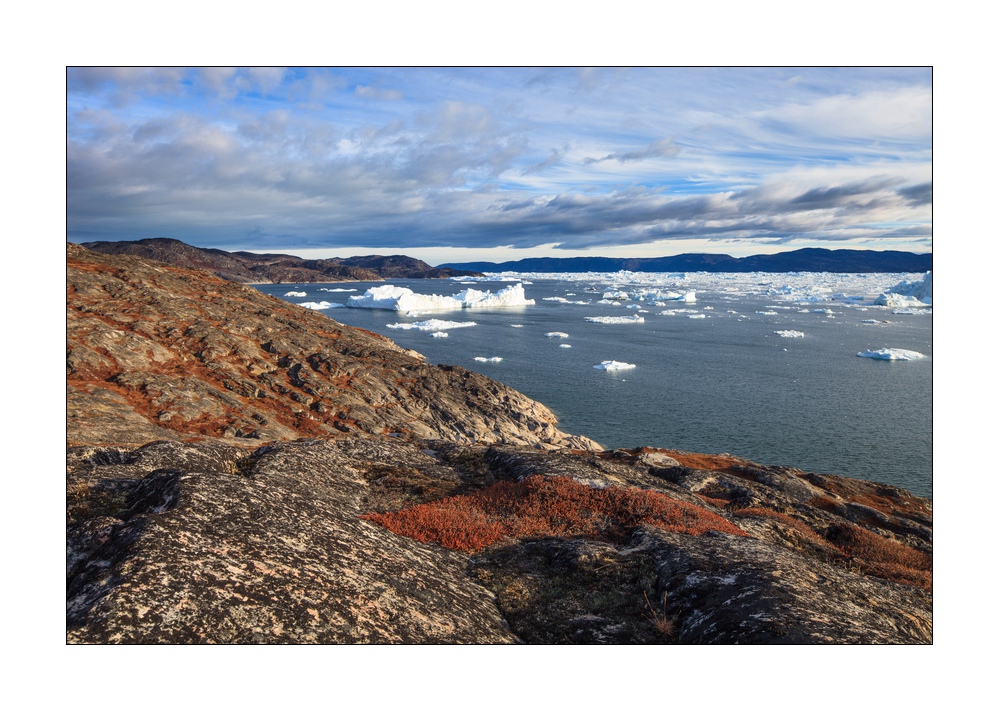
663, 148
370, 92
277, 159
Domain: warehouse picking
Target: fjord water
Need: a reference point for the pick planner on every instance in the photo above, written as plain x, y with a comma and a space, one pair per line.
722, 381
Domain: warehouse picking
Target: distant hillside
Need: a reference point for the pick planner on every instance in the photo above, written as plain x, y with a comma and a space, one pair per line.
845, 261
247, 267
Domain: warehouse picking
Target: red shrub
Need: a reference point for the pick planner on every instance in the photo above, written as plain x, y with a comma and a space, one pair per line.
546, 506
882, 557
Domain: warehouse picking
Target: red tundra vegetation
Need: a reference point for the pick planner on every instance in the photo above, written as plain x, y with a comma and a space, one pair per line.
542, 506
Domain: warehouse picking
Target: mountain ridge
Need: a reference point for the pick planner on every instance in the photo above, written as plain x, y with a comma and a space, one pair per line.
809, 259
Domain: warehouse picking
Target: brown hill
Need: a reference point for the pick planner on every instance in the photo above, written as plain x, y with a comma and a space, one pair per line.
248, 268
244, 470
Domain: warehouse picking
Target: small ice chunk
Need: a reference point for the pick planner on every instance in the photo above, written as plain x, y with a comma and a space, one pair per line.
891, 354
620, 295
516, 325
494, 359
434, 324
614, 365
556, 334
616, 319
790, 334
320, 305
697, 316
564, 345
439, 334
296, 293
337, 290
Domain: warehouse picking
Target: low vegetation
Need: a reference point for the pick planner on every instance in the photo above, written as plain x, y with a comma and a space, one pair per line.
541, 506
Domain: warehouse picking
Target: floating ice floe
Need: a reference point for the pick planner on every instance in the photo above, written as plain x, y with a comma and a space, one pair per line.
399, 298
767, 313
556, 334
564, 345
439, 334
337, 290
614, 365
618, 295
616, 319
320, 305
433, 324
494, 359
296, 293
874, 320
557, 299
891, 354
677, 312
516, 325
790, 334
697, 316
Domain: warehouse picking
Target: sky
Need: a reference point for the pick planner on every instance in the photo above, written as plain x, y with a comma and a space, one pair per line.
462, 164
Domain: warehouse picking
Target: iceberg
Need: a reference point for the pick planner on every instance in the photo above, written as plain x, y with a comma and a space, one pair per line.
614, 365
556, 334
337, 290
399, 298
909, 294
616, 319
621, 295
439, 334
433, 324
296, 293
564, 345
790, 334
891, 354
494, 359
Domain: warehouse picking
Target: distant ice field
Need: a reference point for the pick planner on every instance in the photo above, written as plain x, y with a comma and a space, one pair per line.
726, 372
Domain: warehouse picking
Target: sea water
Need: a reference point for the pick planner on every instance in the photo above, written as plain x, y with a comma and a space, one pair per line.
762, 366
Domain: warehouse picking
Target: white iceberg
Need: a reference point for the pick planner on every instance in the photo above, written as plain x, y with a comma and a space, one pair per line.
556, 334
296, 293
564, 345
892, 354
433, 324
909, 294
516, 325
494, 359
614, 365
439, 334
320, 305
790, 334
398, 298
697, 316
616, 319
337, 290
620, 295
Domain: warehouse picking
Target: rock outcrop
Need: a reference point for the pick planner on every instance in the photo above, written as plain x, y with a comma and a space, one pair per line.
159, 352
244, 470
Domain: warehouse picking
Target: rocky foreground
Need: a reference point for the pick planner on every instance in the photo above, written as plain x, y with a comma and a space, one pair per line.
244, 470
